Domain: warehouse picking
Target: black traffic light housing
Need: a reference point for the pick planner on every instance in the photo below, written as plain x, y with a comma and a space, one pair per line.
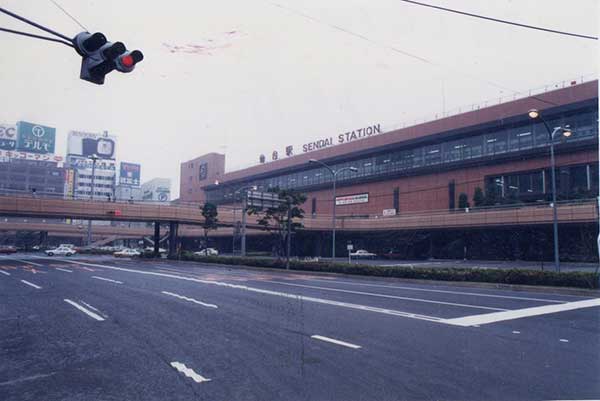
100, 57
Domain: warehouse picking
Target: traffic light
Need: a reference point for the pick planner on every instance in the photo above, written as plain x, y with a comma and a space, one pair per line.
100, 57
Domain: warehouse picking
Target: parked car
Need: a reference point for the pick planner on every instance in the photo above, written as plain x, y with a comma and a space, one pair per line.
126, 253
8, 249
393, 254
207, 252
362, 254
61, 251
71, 246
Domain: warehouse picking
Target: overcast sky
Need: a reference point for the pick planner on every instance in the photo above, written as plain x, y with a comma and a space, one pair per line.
281, 72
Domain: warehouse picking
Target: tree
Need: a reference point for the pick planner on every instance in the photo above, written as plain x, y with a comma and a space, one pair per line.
491, 195
276, 217
210, 213
463, 201
478, 197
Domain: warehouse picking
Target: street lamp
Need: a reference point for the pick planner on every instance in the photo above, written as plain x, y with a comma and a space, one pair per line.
334, 173
566, 132
244, 211
94, 159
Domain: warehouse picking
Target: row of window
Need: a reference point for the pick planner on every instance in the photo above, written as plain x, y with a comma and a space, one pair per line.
584, 126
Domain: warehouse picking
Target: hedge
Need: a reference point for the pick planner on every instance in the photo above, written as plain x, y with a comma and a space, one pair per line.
499, 276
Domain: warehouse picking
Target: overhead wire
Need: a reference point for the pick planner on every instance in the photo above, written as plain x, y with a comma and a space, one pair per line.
69, 15
501, 21
35, 24
32, 35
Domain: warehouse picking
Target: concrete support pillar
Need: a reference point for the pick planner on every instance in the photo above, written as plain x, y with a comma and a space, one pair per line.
43, 238
173, 226
156, 238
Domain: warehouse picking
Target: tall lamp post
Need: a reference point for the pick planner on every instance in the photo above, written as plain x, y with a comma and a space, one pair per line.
94, 159
334, 173
534, 114
244, 212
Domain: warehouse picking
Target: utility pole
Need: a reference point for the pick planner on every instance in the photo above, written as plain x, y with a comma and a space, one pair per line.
289, 234
94, 158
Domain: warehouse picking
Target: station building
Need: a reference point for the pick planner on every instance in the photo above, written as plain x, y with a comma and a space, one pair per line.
493, 156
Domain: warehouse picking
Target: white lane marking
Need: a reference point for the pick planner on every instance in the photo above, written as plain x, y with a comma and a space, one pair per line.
189, 299
84, 310
520, 313
64, 270
188, 372
440, 291
516, 332
37, 287
90, 306
562, 340
28, 262
107, 279
6, 273
334, 341
280, 294
372, 294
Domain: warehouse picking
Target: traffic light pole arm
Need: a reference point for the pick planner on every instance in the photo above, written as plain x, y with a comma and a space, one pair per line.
35, 24
31, 35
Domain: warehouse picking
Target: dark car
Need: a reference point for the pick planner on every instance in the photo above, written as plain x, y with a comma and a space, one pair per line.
8, 249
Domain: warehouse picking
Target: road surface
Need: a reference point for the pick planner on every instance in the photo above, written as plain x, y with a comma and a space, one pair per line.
98, 328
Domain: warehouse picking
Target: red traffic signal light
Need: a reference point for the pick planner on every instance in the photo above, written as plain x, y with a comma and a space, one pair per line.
126, 62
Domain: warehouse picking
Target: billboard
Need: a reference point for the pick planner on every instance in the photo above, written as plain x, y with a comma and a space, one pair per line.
129, 174
84, 163
87, 144
351, 199
203, 173
35, 138
8, 137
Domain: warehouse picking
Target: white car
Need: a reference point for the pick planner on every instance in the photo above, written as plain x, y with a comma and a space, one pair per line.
151, 249
126, 253
362, 254
61, 251
207, 252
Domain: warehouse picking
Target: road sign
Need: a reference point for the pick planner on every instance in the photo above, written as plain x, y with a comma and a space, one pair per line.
349, 247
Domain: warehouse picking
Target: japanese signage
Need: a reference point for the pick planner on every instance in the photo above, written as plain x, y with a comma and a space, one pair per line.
389, 212
81, 163
11, 154
88, 143
35, 138
129, 174
8, 137
70, 182
346, 137
351, 199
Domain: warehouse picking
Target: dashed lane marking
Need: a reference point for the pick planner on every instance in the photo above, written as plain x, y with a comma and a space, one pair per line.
334, 341
107, 279
26, 261
88, 312
5, 273
188, 372
190, 299
37, 287
563, 340
64, 270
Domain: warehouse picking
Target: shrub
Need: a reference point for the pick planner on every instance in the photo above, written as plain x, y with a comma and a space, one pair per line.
499, 276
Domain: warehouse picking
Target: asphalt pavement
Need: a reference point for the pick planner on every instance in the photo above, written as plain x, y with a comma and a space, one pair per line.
99, 328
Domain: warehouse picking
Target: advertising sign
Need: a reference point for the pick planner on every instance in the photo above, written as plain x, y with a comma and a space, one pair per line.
351, 199
129, 174
8, 137
35, 138
82, 163
11, 154
70, 182
87, 144
389, 212
203, 173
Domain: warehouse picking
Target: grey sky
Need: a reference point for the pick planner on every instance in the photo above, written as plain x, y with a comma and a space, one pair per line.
281, 78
